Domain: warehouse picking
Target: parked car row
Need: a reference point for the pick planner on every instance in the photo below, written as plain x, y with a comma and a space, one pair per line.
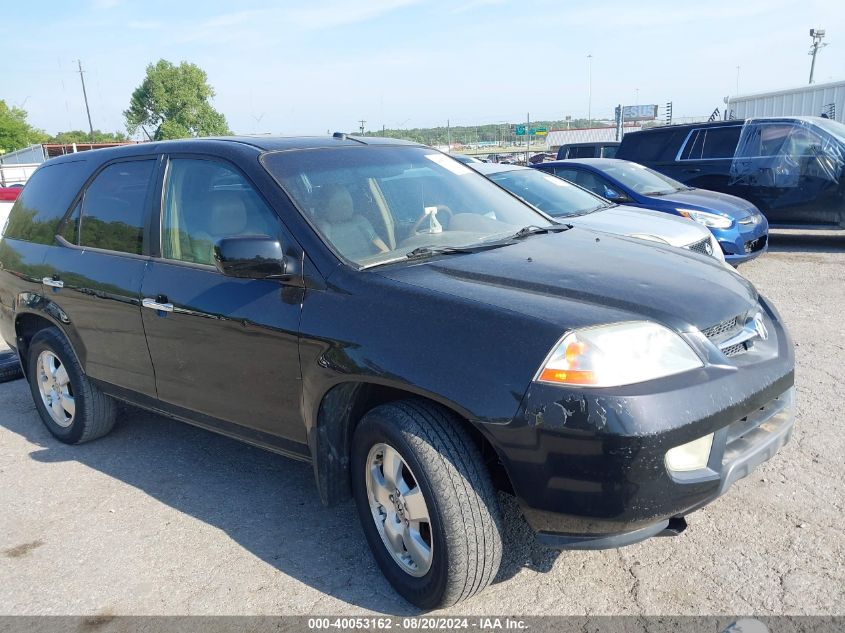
414, 329
791, 168
739, 227
575, 205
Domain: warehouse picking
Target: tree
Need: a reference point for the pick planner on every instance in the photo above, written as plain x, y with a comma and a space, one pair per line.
15, 132
174, 101
81, 136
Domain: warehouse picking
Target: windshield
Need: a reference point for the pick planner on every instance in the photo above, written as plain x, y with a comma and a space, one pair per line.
378, 203
549, 193
834, 128
642, 179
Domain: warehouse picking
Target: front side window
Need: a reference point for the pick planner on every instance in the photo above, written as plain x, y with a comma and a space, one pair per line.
379, 203
114, 206
205, 201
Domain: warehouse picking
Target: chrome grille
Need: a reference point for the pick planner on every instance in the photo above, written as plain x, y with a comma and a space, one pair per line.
700, 246
733, 350
724, 327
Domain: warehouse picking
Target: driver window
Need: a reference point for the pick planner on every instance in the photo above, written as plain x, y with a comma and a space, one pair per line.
206, 201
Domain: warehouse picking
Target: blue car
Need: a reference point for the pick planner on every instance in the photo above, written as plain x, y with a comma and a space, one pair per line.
741, 230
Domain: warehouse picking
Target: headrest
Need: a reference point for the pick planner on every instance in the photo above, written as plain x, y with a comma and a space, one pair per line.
228, 214
334, 204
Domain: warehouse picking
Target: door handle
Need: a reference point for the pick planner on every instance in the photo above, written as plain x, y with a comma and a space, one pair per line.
693, 170
158, 306
53, 282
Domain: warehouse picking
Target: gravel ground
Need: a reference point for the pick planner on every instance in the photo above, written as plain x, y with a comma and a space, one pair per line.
163, 518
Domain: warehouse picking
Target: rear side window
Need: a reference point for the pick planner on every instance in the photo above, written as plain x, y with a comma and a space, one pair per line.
585, 151
648, 146
711, 143
609, 151
114, 207
44, 201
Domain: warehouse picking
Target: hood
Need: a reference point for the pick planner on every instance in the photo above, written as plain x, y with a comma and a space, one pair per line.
623, 220
704, 200
579, 278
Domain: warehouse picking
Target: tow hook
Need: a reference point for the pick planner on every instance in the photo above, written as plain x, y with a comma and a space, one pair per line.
675, 527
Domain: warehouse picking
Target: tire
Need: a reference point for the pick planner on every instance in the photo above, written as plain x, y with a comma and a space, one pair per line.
440, 461
93, 413
10, 367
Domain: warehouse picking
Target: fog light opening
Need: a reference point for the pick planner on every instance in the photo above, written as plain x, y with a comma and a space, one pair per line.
690, 456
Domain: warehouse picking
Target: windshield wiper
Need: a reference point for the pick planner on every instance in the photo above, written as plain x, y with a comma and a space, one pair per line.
429, 251
525, 231
657, 193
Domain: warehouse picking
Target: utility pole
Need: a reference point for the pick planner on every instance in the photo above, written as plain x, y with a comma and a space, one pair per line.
737, 79
85, 96
589, 90
817, 35
362, 122
527, 135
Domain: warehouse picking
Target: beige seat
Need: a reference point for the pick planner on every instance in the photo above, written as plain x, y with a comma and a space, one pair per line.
350, 233
227, 217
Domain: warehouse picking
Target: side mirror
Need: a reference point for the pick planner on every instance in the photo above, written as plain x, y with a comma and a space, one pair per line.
615, 196
250, 257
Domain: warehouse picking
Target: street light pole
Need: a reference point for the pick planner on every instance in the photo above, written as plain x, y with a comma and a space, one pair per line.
817, 35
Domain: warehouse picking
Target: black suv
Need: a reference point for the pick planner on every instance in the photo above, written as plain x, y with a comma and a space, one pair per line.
791, 168
417, 333
594, 149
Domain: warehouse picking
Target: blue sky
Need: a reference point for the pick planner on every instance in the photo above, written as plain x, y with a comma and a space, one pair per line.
309, 67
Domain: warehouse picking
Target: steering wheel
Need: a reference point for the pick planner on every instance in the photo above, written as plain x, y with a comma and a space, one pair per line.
441, 208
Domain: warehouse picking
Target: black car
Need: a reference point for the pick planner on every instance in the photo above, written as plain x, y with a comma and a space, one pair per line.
417, 333
593, 149
791, 168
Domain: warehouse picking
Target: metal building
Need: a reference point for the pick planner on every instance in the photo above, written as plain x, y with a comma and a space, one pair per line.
810, 100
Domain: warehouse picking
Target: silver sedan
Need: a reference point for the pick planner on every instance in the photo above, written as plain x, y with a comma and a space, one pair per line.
579, 207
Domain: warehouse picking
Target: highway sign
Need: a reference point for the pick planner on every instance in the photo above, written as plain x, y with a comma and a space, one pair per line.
520, 130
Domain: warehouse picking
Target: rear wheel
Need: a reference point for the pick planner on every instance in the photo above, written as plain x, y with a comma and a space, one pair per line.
426, 503
71, 407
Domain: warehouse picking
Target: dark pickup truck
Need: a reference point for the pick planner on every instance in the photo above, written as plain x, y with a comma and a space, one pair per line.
414, 331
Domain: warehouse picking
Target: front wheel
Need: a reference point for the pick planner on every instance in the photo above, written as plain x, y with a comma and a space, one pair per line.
426, 503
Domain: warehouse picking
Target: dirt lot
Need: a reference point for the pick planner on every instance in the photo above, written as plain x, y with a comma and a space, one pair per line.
163, 518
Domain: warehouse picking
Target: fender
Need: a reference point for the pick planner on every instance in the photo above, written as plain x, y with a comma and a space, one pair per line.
37, 305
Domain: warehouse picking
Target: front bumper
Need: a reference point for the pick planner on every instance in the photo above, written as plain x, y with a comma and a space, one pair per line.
745, 242
588, 465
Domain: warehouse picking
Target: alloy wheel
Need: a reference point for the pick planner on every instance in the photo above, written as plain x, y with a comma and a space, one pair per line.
399, 510
55, 389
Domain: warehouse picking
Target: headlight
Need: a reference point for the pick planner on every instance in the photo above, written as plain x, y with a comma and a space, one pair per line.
619, 354
690, 456
711, 220
648, 237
